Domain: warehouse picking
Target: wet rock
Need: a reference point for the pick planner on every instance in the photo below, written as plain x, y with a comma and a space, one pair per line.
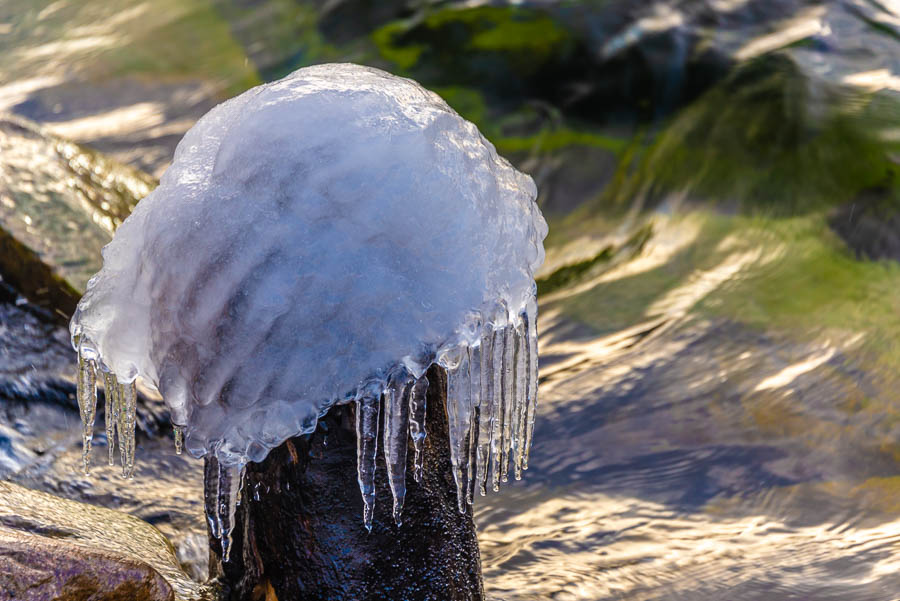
52, 548
37, 568
598, 61
59, 205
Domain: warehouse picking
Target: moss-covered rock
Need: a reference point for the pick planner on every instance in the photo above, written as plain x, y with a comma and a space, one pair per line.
771, 137
508, 52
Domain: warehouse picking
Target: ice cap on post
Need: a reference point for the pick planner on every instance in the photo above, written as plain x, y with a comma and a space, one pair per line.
317, 240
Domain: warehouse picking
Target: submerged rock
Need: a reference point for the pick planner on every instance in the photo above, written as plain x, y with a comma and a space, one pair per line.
870, 224
601, 61
772, 137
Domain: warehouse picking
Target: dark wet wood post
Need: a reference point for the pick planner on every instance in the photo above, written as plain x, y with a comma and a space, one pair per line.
303, 537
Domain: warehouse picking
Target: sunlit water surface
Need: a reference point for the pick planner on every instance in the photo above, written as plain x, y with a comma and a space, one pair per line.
718, 414
697, 455
679, 453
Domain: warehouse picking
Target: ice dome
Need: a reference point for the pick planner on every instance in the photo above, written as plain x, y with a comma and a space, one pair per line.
313, 238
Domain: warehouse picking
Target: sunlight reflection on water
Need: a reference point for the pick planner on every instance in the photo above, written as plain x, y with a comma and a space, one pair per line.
693, 456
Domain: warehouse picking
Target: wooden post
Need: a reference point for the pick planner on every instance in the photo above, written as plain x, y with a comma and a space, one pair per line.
299, 531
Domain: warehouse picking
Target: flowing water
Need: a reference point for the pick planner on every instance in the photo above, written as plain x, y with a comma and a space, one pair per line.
693, 454
719, 318
679, 453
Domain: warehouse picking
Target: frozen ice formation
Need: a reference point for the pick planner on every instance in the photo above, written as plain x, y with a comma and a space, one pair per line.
317, 240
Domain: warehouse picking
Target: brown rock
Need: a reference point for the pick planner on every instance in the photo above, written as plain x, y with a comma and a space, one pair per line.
56, 549
38, 568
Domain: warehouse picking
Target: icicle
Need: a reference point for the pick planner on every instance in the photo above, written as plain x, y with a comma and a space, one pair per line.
179, 439
509, 349
226, 502
497, 407
366, 448
532, 379
120, 417
521, 377
464, 419
111, 393
243, 475
457, 366
211, 495
396, 433
474, 385
417, 409
87, 405
127, 398
486, 411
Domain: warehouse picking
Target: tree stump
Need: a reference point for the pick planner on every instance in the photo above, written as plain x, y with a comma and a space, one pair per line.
299, 533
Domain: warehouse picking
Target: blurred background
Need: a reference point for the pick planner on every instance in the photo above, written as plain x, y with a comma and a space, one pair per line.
720, 305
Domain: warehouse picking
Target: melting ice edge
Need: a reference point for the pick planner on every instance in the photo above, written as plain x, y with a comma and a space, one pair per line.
491, 400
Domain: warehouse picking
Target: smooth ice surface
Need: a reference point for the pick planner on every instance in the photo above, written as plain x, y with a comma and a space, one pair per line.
311, 234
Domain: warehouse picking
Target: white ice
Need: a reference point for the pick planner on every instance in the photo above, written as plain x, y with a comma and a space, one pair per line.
315, 235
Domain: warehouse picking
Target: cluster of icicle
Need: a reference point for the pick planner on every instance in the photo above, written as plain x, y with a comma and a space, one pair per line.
120, 413
491, 400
